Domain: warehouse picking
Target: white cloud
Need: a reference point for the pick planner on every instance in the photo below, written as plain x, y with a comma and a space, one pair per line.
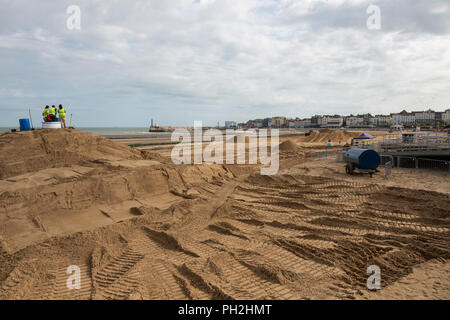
215, 60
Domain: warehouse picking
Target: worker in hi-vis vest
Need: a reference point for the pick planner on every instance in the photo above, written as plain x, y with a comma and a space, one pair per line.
52, 112
46, 114
62, 116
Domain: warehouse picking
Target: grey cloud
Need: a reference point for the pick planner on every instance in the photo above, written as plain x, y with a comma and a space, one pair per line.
408, 16
180, 60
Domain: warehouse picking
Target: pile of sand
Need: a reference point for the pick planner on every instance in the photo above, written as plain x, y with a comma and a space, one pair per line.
288, 146
30, 151
325, 135
56, 182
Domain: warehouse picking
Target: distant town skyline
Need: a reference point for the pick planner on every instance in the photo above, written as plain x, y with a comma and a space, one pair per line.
426, 117
121, 63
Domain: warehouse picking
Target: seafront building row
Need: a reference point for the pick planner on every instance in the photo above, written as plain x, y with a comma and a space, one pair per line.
428, 118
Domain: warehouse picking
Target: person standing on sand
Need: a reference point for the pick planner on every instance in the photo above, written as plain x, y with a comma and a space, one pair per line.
62, 116
46, 114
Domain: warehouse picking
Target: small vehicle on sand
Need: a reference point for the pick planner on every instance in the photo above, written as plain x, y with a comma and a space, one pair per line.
362, 160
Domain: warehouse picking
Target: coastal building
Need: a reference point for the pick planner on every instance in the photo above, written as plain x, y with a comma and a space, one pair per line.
278, 122
383, 120
315, 121
425, 117
230, 124
258, 123
438, 118
404, 118
335, 121
369, 120
354, 121
303, 123
446, 116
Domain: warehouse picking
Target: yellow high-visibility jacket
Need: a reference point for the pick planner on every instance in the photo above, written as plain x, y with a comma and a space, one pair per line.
62, 113
52, 111
45, 113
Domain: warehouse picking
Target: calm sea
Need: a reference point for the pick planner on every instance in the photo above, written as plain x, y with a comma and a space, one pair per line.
116, 131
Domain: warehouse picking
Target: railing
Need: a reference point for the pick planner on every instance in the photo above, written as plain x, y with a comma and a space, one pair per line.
388, 170
433, 164
327, 154
385, 158
373, 146
419, 163
416, 140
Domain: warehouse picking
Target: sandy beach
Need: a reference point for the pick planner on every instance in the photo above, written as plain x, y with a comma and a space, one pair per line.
140, 227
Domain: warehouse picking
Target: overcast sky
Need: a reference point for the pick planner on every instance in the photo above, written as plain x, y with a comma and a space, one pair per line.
214, 60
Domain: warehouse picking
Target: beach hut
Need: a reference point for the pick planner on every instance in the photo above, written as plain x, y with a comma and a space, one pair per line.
363, 140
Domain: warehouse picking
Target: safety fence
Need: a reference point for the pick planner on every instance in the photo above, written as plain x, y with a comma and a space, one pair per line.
415, 143
417, 138
416, 163
386, 158
387, 170
327, 154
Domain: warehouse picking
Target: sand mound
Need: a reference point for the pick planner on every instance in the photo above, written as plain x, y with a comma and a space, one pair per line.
288, 145
324, 135
31, 151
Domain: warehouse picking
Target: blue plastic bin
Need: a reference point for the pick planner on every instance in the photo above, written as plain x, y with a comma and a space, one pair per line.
25, 124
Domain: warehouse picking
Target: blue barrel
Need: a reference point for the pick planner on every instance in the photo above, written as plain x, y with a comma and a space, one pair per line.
362, 158
24, 124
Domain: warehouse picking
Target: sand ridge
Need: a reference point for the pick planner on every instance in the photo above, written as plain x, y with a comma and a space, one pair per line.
29, 151
322, 136
325, 135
